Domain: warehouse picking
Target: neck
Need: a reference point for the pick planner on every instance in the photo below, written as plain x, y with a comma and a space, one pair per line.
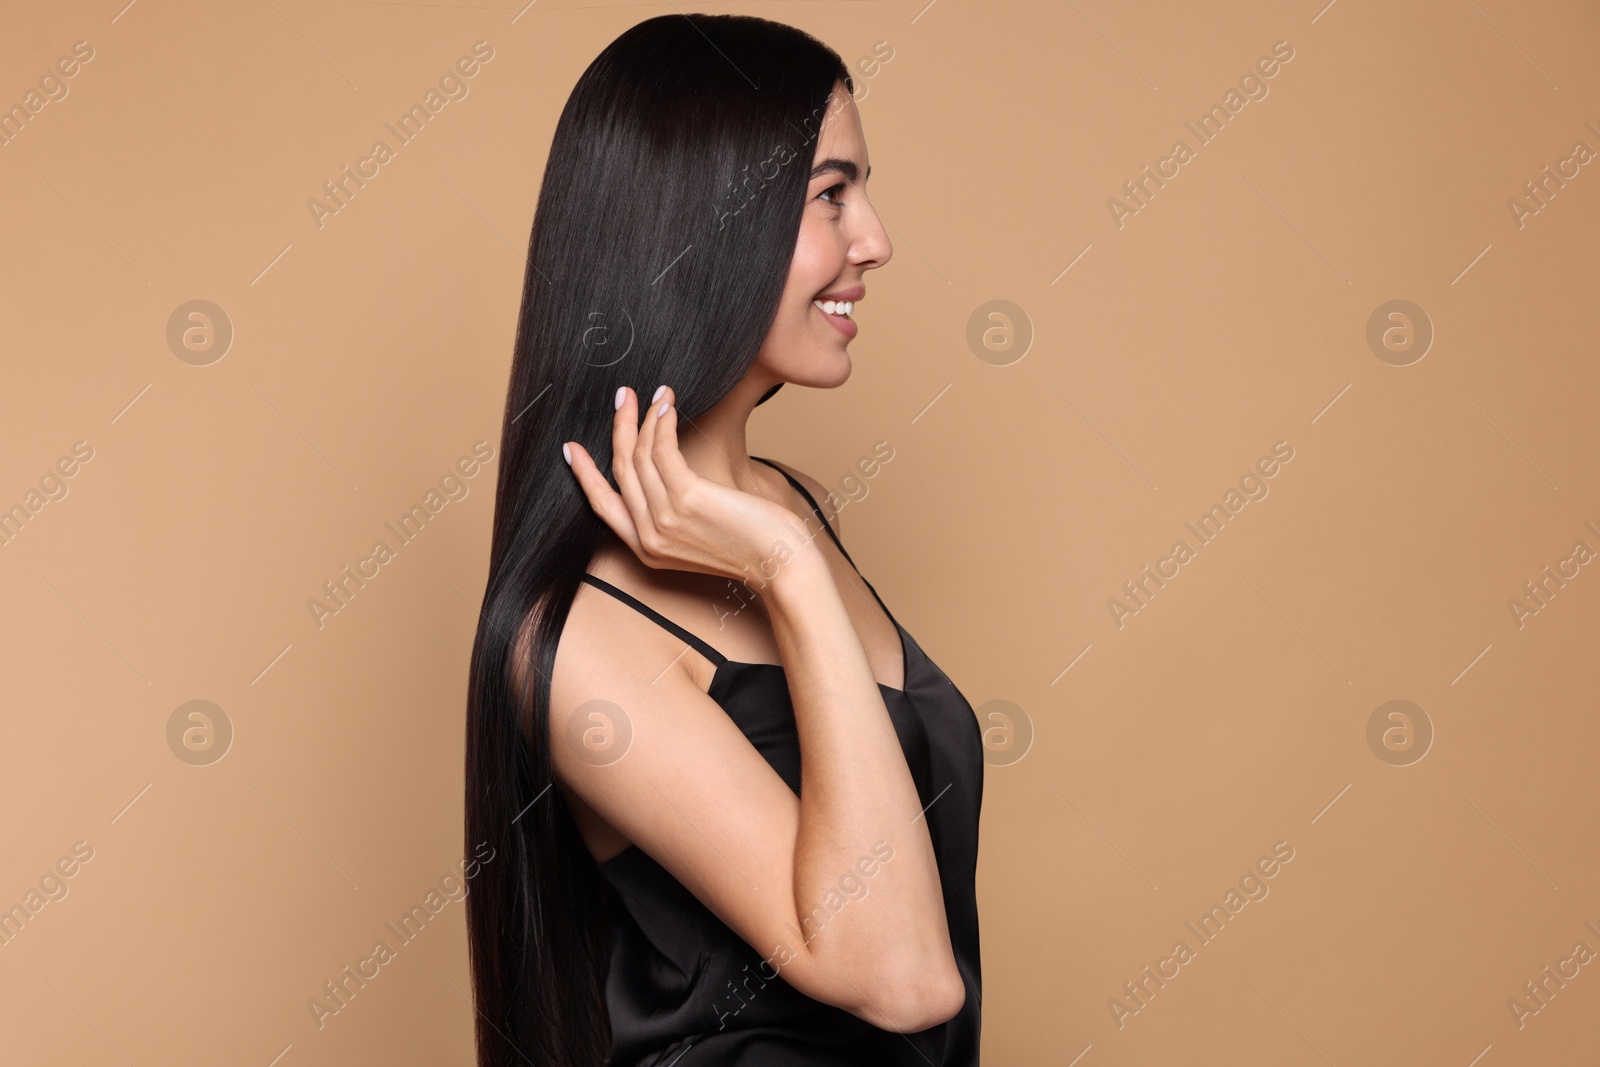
714, 445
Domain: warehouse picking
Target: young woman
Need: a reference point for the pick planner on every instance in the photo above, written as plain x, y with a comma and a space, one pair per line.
737, 805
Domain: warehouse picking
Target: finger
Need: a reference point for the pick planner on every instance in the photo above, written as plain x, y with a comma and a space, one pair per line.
674, 470
606, 501
647, 452
624, 439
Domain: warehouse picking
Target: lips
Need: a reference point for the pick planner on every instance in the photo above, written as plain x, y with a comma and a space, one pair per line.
841, 322
837, 306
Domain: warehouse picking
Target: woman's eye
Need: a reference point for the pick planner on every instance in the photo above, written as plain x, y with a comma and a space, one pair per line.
834, 189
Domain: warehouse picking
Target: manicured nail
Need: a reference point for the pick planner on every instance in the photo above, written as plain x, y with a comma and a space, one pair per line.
662, 410
566, 452
659, 390
622, 391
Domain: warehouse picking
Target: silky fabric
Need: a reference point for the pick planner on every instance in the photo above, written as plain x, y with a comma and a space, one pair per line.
684, 990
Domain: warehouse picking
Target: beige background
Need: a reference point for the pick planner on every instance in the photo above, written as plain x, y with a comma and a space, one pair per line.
1228, 314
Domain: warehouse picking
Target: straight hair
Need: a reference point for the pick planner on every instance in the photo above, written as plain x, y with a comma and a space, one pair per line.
665, 225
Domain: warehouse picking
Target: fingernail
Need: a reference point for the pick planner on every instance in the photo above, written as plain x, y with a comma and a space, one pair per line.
622, 391
662, 410
566, 452
659, 390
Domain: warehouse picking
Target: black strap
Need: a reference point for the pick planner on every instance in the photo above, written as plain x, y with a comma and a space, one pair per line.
700, 646
820, 516
826, 526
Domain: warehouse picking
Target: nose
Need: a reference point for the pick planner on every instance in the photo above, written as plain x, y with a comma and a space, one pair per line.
871, 246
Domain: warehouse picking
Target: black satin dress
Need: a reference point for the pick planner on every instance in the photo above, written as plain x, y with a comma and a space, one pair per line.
685, 990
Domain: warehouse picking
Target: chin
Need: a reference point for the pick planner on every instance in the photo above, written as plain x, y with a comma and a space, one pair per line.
827, 370
846, 365
815, 367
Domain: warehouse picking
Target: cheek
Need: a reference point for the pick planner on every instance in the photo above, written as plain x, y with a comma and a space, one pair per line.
818, 258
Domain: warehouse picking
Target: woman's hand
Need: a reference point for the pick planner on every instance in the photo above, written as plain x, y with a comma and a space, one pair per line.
672, 518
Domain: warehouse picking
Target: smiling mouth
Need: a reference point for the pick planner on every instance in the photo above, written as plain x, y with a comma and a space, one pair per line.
839, 317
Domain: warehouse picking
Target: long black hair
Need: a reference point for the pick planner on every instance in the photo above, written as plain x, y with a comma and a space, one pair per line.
661, 241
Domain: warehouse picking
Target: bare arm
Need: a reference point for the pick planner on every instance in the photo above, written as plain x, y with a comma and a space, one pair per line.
856, 789
786, 873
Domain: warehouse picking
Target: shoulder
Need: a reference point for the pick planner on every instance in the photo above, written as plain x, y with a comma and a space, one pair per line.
603, 635
626, 677
598, 636
818, 493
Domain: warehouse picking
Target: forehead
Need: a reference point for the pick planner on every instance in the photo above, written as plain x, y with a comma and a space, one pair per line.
841, 136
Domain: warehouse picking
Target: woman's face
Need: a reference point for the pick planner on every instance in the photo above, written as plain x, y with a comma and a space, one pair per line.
841, 238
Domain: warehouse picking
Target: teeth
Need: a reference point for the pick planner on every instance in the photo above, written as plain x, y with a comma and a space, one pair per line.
835, 307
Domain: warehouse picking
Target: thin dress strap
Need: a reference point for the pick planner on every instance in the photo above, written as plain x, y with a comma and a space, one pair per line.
827, 526
700, 646
815, 508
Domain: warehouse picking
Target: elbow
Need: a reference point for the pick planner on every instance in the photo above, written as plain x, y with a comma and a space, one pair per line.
933, 996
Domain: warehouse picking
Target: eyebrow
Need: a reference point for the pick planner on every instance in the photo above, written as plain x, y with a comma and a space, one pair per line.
843, 166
